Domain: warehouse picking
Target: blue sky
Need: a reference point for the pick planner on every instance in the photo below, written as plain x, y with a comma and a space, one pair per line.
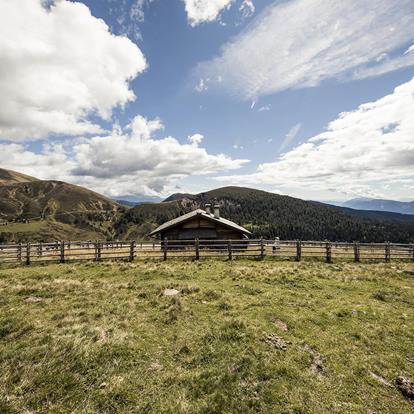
164, 96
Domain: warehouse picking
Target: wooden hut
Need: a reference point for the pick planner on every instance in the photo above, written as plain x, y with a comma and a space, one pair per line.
203, 225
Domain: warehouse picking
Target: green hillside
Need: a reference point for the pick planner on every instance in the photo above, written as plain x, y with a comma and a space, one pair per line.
270, 215
51, 210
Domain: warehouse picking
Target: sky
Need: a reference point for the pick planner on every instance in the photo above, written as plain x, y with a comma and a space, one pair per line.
133, 98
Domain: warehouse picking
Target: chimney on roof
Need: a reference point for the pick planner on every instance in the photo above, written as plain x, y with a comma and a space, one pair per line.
208, 210
216, 211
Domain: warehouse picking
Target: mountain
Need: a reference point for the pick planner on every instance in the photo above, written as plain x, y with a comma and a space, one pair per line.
380, 205
49, 210
137, 199
127, 203
271, 215
13, 177
180, 196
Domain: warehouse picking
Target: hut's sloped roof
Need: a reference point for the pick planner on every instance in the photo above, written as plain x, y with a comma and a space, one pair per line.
201, 213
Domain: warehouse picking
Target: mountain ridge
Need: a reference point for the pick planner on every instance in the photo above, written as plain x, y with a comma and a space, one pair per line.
12, 177
52, 210
272, 215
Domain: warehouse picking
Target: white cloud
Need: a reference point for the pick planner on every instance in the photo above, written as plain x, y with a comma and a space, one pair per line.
195, 139
200, 11
247, 9
409, 50
128, 161
202, 85
290, 136
300, 43
136, 11
58, 66
129, 16
264, 108
360, 154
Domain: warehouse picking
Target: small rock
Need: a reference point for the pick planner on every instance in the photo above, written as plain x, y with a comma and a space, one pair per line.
275, 341
171, 292
103, 385
34, 299
281, 325
406, 387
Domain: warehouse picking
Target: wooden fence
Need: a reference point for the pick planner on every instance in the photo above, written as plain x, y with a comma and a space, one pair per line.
198, 249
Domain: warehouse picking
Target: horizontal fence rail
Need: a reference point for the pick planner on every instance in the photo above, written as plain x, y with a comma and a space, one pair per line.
64, 251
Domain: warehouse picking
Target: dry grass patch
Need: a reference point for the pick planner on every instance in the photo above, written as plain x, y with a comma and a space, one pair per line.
240, 337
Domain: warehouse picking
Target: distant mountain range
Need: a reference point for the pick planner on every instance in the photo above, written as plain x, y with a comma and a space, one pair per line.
44, 210
380, 205
131, 201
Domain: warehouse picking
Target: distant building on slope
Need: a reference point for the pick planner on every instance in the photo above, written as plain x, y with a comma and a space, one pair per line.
203, 225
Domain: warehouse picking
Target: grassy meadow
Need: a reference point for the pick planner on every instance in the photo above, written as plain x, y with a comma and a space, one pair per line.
240, 337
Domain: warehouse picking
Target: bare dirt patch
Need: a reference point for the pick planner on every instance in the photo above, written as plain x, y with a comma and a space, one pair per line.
317, 367
281, 325
275, 342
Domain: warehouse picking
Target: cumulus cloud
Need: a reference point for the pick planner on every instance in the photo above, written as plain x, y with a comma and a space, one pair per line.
360, 154
128, 161
200, 11
300, 43
59, 66
196, 139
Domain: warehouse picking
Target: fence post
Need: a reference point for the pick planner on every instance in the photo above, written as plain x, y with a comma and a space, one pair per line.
97, 251
197, 248
387, 252
412, 252
229, 250
19, 252
165, 246
262, 249
298, 250
62, 252
28, 253
328, 252
40, 250
356, 252
132, 251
